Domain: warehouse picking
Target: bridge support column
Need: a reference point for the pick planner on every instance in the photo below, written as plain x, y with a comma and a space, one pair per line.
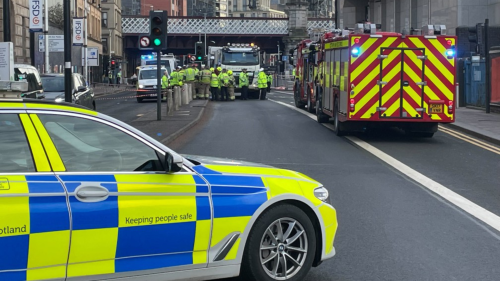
297, 25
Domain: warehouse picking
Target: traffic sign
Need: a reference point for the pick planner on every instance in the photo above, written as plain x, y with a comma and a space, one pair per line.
145, 41
56, 43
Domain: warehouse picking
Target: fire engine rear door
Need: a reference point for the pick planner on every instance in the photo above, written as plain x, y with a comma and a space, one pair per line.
401, 83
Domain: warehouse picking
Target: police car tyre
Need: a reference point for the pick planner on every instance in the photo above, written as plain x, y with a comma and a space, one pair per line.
139, 100
281, 238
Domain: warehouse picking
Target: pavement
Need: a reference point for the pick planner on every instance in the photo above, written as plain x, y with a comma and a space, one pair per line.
478, 123
143, 116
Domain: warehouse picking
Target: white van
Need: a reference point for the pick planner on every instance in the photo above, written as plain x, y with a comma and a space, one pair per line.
146, 82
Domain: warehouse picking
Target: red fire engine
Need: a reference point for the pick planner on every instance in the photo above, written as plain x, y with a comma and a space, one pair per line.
304, 88
368, 78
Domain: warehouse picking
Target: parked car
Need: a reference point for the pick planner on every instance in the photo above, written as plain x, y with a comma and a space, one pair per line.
31, 75
53, 85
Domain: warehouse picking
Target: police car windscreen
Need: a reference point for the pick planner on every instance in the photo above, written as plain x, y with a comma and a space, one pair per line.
164, 64
240, 58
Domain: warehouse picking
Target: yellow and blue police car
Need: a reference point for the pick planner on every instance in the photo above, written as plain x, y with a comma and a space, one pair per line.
84, 196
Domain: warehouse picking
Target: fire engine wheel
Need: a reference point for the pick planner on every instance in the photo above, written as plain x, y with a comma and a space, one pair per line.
296, 97
310, 107
139, 100
337, 126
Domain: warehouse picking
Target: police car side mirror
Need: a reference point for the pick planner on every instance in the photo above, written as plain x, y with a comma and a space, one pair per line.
171, 164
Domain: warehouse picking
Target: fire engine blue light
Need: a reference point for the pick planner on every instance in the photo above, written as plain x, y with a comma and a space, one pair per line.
355, 51
450, 53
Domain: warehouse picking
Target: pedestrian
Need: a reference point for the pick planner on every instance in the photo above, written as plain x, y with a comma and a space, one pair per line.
214, 87
205, 78
262, 83
244, 82
190, 81
269, 81
118, 78
224, 77
293, 73
231, 84
196, 83
164, 84
175, 82
110, 75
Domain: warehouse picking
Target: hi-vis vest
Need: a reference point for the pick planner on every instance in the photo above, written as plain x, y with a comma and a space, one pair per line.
205, 76
214, 82
262, 81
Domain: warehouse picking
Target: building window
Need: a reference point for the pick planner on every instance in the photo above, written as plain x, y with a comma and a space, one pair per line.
104, 42
245, 5
253, 15
264, 15
242, 15
230, 15
104, 19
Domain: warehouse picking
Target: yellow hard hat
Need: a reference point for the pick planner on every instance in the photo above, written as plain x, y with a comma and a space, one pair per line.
211, 69
180, 83
219, 68
229, 72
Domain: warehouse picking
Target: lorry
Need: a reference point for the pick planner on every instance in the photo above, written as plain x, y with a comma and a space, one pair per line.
235, 57
364, 78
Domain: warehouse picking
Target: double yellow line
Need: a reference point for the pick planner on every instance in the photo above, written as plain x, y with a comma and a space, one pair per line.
471, 140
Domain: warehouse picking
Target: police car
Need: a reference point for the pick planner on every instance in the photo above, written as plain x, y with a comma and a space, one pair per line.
84, 196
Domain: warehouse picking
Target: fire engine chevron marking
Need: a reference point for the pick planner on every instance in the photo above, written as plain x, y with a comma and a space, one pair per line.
430, 67
373, 56
434, 60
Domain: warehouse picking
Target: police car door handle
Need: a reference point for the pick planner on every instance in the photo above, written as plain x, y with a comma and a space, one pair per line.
91, 193
83, 193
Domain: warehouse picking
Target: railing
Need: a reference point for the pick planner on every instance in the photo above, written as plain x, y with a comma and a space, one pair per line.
222, 26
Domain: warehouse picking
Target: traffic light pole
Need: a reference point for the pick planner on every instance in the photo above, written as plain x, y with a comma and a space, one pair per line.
67, 51
158, 87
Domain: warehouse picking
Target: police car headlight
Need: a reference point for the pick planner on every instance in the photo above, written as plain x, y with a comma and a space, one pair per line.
141, 86
322, 194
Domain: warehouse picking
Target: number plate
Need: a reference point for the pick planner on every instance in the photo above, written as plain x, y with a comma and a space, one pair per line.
435, 108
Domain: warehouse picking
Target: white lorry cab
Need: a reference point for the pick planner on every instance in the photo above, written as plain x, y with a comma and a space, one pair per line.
235, 57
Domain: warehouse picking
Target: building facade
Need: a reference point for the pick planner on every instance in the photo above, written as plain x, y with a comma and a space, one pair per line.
175, 8
254, 9
19, 30
405, 15
131, 7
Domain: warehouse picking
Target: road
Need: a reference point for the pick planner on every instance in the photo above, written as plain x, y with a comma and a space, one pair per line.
391, 225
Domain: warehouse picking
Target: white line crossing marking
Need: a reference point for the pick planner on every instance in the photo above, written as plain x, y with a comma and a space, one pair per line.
456, 199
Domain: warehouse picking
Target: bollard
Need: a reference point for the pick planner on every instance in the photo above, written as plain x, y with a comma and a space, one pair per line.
170, 103
184, 95
177, 97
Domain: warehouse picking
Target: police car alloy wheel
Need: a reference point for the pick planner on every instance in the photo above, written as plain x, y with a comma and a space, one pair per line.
281, 246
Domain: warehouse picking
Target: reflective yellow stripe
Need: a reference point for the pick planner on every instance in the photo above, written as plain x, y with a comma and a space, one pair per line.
41, 162
60, 107
11, 104
54, 158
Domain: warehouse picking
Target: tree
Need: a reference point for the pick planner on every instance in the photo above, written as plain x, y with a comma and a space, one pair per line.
56, 15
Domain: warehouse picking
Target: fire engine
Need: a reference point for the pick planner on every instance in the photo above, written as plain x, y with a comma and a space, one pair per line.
366, 78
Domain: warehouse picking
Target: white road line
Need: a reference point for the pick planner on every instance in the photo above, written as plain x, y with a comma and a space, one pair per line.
286, 93
456, 199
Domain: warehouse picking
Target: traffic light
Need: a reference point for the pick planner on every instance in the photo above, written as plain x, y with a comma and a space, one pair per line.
476, 38
199, 50
113, 64
158, 29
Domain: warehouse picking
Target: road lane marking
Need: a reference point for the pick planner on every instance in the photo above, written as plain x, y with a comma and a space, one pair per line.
471, 140
454, 198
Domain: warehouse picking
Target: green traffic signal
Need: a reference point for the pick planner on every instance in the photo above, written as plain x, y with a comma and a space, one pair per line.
199, 58
157, 42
